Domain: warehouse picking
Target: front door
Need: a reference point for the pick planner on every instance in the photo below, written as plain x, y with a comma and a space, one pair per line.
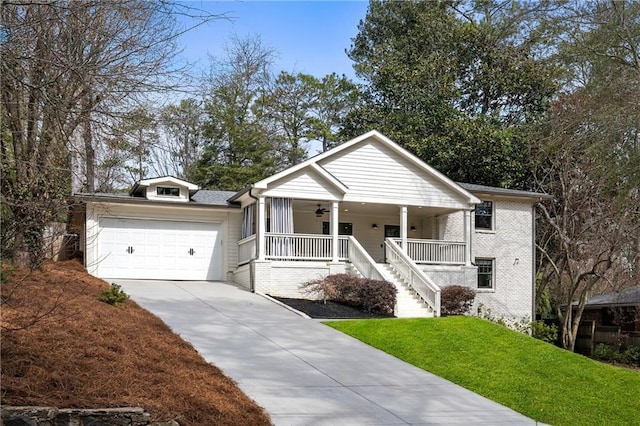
390, 231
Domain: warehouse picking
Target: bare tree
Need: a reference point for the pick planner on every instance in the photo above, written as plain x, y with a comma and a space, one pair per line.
589, 157
68, 66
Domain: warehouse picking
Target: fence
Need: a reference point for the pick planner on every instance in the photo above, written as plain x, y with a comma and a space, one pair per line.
590, 335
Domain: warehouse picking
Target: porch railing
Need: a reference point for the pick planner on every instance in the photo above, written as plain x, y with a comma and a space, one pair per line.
362, 261
303, 247
409, 271
246, 249
435, 251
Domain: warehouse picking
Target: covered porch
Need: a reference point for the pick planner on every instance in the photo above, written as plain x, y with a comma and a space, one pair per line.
282, 229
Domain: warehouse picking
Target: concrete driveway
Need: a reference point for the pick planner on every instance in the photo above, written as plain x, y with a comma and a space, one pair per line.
303, 372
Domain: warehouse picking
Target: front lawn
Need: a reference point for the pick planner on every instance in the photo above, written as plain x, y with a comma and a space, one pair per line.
536, 379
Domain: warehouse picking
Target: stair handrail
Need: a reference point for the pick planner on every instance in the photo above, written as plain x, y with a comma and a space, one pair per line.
426, 289
363, 261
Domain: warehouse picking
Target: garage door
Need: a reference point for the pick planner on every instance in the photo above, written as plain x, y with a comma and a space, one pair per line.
159, 249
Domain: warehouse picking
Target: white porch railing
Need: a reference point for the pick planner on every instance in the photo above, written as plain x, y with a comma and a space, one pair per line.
435, 251
409, 271
362, 261
303, 247
246, 249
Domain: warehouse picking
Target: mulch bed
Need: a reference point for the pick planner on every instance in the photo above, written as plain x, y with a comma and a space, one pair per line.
317, 309
62, 347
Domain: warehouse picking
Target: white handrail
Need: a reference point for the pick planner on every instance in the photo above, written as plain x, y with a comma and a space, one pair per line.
409, 271
303, 246
362, 261
435, 251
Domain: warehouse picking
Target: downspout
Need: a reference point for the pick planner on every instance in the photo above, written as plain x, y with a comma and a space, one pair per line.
252, 266
533, 261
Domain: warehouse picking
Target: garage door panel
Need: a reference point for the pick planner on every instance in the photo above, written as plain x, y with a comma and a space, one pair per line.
162, 249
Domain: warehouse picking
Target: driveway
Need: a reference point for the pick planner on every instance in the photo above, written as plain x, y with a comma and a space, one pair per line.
303, 372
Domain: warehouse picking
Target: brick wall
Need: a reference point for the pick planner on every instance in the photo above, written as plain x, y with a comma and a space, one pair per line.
283, 279
510, 245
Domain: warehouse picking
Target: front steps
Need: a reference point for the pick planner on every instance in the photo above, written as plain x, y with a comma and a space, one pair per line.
408, 303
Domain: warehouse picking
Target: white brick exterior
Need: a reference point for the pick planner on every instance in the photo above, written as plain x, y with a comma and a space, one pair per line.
510, 244
283, 279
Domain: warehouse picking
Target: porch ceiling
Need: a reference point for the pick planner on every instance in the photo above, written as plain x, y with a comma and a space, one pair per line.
369, 209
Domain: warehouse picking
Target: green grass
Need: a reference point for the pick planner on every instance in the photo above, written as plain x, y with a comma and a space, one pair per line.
539, 380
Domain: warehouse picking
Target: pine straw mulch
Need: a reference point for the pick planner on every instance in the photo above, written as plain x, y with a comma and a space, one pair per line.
62, 347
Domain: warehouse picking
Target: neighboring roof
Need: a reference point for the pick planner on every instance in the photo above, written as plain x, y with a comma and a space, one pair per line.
482, 189
203, 197
625, 297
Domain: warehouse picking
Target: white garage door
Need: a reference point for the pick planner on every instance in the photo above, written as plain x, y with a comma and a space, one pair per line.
159, 249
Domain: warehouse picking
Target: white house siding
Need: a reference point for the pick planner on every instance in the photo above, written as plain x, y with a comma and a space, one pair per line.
305, 184
229, 227
234, 232
373, 172
242, 276
510, 244
152, 193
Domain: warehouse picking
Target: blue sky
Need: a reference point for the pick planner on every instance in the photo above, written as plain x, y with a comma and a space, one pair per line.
308, 36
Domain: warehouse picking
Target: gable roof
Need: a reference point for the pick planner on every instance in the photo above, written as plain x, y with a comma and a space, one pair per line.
314, 164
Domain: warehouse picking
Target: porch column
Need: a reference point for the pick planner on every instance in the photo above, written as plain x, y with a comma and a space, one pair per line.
260, 225
466, 223
403, 227
334, 232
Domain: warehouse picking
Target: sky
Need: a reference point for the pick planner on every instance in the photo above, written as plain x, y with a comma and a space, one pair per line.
308, 36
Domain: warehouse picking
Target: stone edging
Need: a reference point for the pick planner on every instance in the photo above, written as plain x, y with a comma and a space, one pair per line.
52, 416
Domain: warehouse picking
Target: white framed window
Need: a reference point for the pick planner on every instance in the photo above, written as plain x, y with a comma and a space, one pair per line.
484, 216
168, 191
486, 273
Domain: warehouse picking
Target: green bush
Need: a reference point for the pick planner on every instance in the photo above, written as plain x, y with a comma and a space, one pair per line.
606, 352
544, 332
373, 296
456, 300
632, 355
113, 295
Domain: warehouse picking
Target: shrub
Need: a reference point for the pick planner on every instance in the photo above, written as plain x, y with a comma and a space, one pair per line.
456, 300
606, 352
378, 296
113, 295
369, 295
544, 332
632, 355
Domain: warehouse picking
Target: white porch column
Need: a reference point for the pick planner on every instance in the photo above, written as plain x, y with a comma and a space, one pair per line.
260, 228
334, 232
403, 227
466, 223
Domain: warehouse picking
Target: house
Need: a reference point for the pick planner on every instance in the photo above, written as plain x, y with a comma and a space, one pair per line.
620, 309
367, 207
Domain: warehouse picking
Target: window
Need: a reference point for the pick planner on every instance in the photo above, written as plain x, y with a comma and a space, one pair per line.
484, 215
485, 273
171, 192
344, 228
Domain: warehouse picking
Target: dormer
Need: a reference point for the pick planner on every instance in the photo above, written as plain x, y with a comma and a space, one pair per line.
164, 188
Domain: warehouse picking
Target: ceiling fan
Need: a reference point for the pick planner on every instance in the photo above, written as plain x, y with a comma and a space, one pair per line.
320, 211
